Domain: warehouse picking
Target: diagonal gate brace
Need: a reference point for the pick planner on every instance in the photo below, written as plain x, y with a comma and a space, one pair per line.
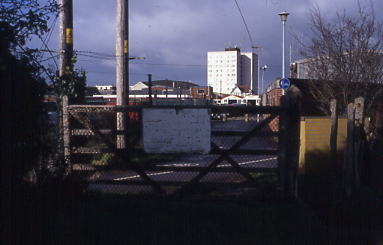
85, 121
225, 155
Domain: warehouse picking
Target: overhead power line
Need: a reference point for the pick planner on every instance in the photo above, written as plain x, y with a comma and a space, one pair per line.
49, 58
98, 56
97, 53
244, 22
45, 42
164, 64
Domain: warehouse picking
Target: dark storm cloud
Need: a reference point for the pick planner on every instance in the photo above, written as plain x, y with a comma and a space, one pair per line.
181, 32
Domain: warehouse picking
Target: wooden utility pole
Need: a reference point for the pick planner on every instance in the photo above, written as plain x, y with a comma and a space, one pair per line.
66, 36
122, 69
66, 67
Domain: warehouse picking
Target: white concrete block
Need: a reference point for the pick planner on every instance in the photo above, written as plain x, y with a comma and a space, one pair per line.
176, 131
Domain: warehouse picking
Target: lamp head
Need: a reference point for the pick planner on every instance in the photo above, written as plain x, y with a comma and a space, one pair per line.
283, 16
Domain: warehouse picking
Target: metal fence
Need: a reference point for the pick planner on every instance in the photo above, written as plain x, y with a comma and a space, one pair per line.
244, 152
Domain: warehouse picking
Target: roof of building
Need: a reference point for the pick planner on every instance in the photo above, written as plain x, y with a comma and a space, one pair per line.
199, 86
233, 97
242, 88
145, 91
233, 49
172, 84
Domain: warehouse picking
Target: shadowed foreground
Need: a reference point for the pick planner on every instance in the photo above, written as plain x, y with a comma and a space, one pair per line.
46, 217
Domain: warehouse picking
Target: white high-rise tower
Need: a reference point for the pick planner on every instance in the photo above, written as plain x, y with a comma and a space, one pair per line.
230, 69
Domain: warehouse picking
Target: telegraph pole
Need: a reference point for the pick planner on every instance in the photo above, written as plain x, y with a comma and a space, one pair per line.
150, 89
122, 69
66, 36
66, 67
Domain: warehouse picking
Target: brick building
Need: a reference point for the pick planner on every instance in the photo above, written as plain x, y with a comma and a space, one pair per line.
272, 97
203, 92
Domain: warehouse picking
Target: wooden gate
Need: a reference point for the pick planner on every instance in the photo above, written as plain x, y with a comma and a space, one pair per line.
80, 121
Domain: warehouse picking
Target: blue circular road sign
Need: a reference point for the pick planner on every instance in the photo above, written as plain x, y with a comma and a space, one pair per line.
284, 83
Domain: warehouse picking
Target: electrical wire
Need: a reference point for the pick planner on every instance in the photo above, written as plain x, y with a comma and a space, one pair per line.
163, 64
52, 57
244, 22
46, 40
97, 53
97, 56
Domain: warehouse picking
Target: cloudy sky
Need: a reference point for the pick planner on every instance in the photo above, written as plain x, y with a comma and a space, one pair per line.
174, 36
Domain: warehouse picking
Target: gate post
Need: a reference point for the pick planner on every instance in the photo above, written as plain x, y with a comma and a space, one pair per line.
282, 144
355, 147
66, 134
290, 141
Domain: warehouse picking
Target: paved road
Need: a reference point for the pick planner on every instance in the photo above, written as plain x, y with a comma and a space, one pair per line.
224, 142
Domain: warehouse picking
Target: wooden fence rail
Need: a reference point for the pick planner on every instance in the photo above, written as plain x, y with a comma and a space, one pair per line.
287, 148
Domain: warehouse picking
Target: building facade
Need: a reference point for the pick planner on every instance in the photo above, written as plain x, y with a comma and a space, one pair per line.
231, 68
300, 69
202, 92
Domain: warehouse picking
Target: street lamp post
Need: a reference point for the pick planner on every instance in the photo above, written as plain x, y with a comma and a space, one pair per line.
283, 16
263, 68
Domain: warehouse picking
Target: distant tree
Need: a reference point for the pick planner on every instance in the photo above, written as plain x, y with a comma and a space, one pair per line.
347, 49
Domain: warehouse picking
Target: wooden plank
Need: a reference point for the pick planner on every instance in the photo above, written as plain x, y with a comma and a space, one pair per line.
87, 132
242, 133
217, 169
172, 183
92, 108
234, 164
245, 152
253, 132
349, 159
90, 150
187, 185
83, 167
213, 108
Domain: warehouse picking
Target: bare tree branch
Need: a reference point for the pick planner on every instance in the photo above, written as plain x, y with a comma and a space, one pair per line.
347, 49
